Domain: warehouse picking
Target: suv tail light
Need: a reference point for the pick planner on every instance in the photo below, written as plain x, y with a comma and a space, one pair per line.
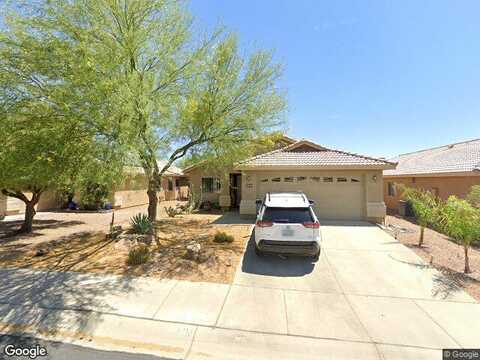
261, 223
312, 225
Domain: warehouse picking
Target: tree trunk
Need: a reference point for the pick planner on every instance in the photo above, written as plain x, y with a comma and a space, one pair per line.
30, 212
28, 220
422, 231
467, 261
152, 203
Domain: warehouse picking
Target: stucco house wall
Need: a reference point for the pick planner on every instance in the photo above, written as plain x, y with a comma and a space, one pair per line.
195, 176
442, 186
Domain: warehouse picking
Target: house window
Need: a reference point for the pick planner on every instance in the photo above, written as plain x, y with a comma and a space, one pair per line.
288, 179
170, 185
210, 185
328, 179
341, 179
391, 189
315, 178
301, 178
177, 182
355, 180
264, 180
276, 179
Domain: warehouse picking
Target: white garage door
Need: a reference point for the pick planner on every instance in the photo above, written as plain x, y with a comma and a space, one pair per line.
335, 196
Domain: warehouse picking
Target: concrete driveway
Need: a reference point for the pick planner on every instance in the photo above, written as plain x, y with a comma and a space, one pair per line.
368, 297
366, 288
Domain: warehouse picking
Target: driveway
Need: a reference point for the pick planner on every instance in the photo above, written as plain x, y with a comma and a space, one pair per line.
368, 297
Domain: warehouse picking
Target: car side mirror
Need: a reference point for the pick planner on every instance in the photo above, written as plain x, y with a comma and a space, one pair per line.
311, 202
258, 202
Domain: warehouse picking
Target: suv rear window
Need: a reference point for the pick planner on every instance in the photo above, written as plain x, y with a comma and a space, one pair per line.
287, 215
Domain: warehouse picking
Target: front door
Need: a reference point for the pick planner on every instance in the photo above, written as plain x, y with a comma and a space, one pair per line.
235, 189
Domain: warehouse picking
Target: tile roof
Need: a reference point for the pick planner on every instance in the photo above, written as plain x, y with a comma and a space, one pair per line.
312, 155
458, 157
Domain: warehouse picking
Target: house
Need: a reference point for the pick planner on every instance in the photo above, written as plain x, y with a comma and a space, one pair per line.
131, 192
342, 184
445, 170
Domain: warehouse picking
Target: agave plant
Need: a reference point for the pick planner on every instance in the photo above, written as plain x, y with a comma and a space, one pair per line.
141, 224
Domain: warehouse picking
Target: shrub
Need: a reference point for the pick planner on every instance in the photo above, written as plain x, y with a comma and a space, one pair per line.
93, 195
141, 224
193, 202
473, 196
172, 212
222, 237
138, 255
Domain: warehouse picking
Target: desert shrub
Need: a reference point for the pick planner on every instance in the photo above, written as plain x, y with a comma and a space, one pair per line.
172, 212
141, 224
93, 195
138, 255
473, 196
193, 202
223, 237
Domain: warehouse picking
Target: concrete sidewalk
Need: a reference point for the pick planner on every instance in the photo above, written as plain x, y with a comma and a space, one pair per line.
368, 297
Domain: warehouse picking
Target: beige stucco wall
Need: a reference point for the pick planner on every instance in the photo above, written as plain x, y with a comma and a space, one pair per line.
49, 200
373, 206
195, 176
443, 186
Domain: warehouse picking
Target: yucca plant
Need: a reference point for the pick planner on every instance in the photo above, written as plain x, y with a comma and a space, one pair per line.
138, 255
141, 224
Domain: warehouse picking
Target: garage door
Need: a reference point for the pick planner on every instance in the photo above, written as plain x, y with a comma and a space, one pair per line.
336, 197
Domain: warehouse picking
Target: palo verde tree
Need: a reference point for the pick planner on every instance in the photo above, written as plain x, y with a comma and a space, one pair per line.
132, 73
425, 207
462, 224
47, 138
171, 94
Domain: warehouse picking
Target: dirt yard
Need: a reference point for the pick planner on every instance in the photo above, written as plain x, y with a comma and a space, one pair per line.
66, 249
442, 253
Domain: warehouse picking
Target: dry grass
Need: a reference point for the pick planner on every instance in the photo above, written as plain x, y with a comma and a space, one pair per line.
91, 252
443, 254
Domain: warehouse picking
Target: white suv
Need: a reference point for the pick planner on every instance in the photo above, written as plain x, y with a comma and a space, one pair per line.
287, 224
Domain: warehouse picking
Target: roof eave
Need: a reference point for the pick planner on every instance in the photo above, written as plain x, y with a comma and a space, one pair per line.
317, 167
474, 172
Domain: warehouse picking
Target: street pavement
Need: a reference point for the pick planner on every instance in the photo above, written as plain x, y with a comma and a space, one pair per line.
64, 351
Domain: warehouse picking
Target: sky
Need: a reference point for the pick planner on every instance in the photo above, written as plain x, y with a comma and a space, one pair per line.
378, 78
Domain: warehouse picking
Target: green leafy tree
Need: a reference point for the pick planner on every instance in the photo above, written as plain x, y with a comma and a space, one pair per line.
425, 207
133, 74
47, 137
462, 224
473, 196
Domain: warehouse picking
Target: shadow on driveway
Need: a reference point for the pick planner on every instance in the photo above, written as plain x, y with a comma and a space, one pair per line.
274, 265
233, 218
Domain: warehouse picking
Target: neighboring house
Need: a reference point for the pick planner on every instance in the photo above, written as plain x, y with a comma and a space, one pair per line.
343, 185
446, 170
132, 192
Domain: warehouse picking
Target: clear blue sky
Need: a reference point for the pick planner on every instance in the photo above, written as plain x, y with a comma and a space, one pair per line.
374, 77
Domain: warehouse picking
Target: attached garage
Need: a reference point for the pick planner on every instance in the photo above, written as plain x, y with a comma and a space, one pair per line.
343, 185
337, 195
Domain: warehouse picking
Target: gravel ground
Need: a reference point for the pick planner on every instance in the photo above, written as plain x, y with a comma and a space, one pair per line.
53, 225
442, 253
